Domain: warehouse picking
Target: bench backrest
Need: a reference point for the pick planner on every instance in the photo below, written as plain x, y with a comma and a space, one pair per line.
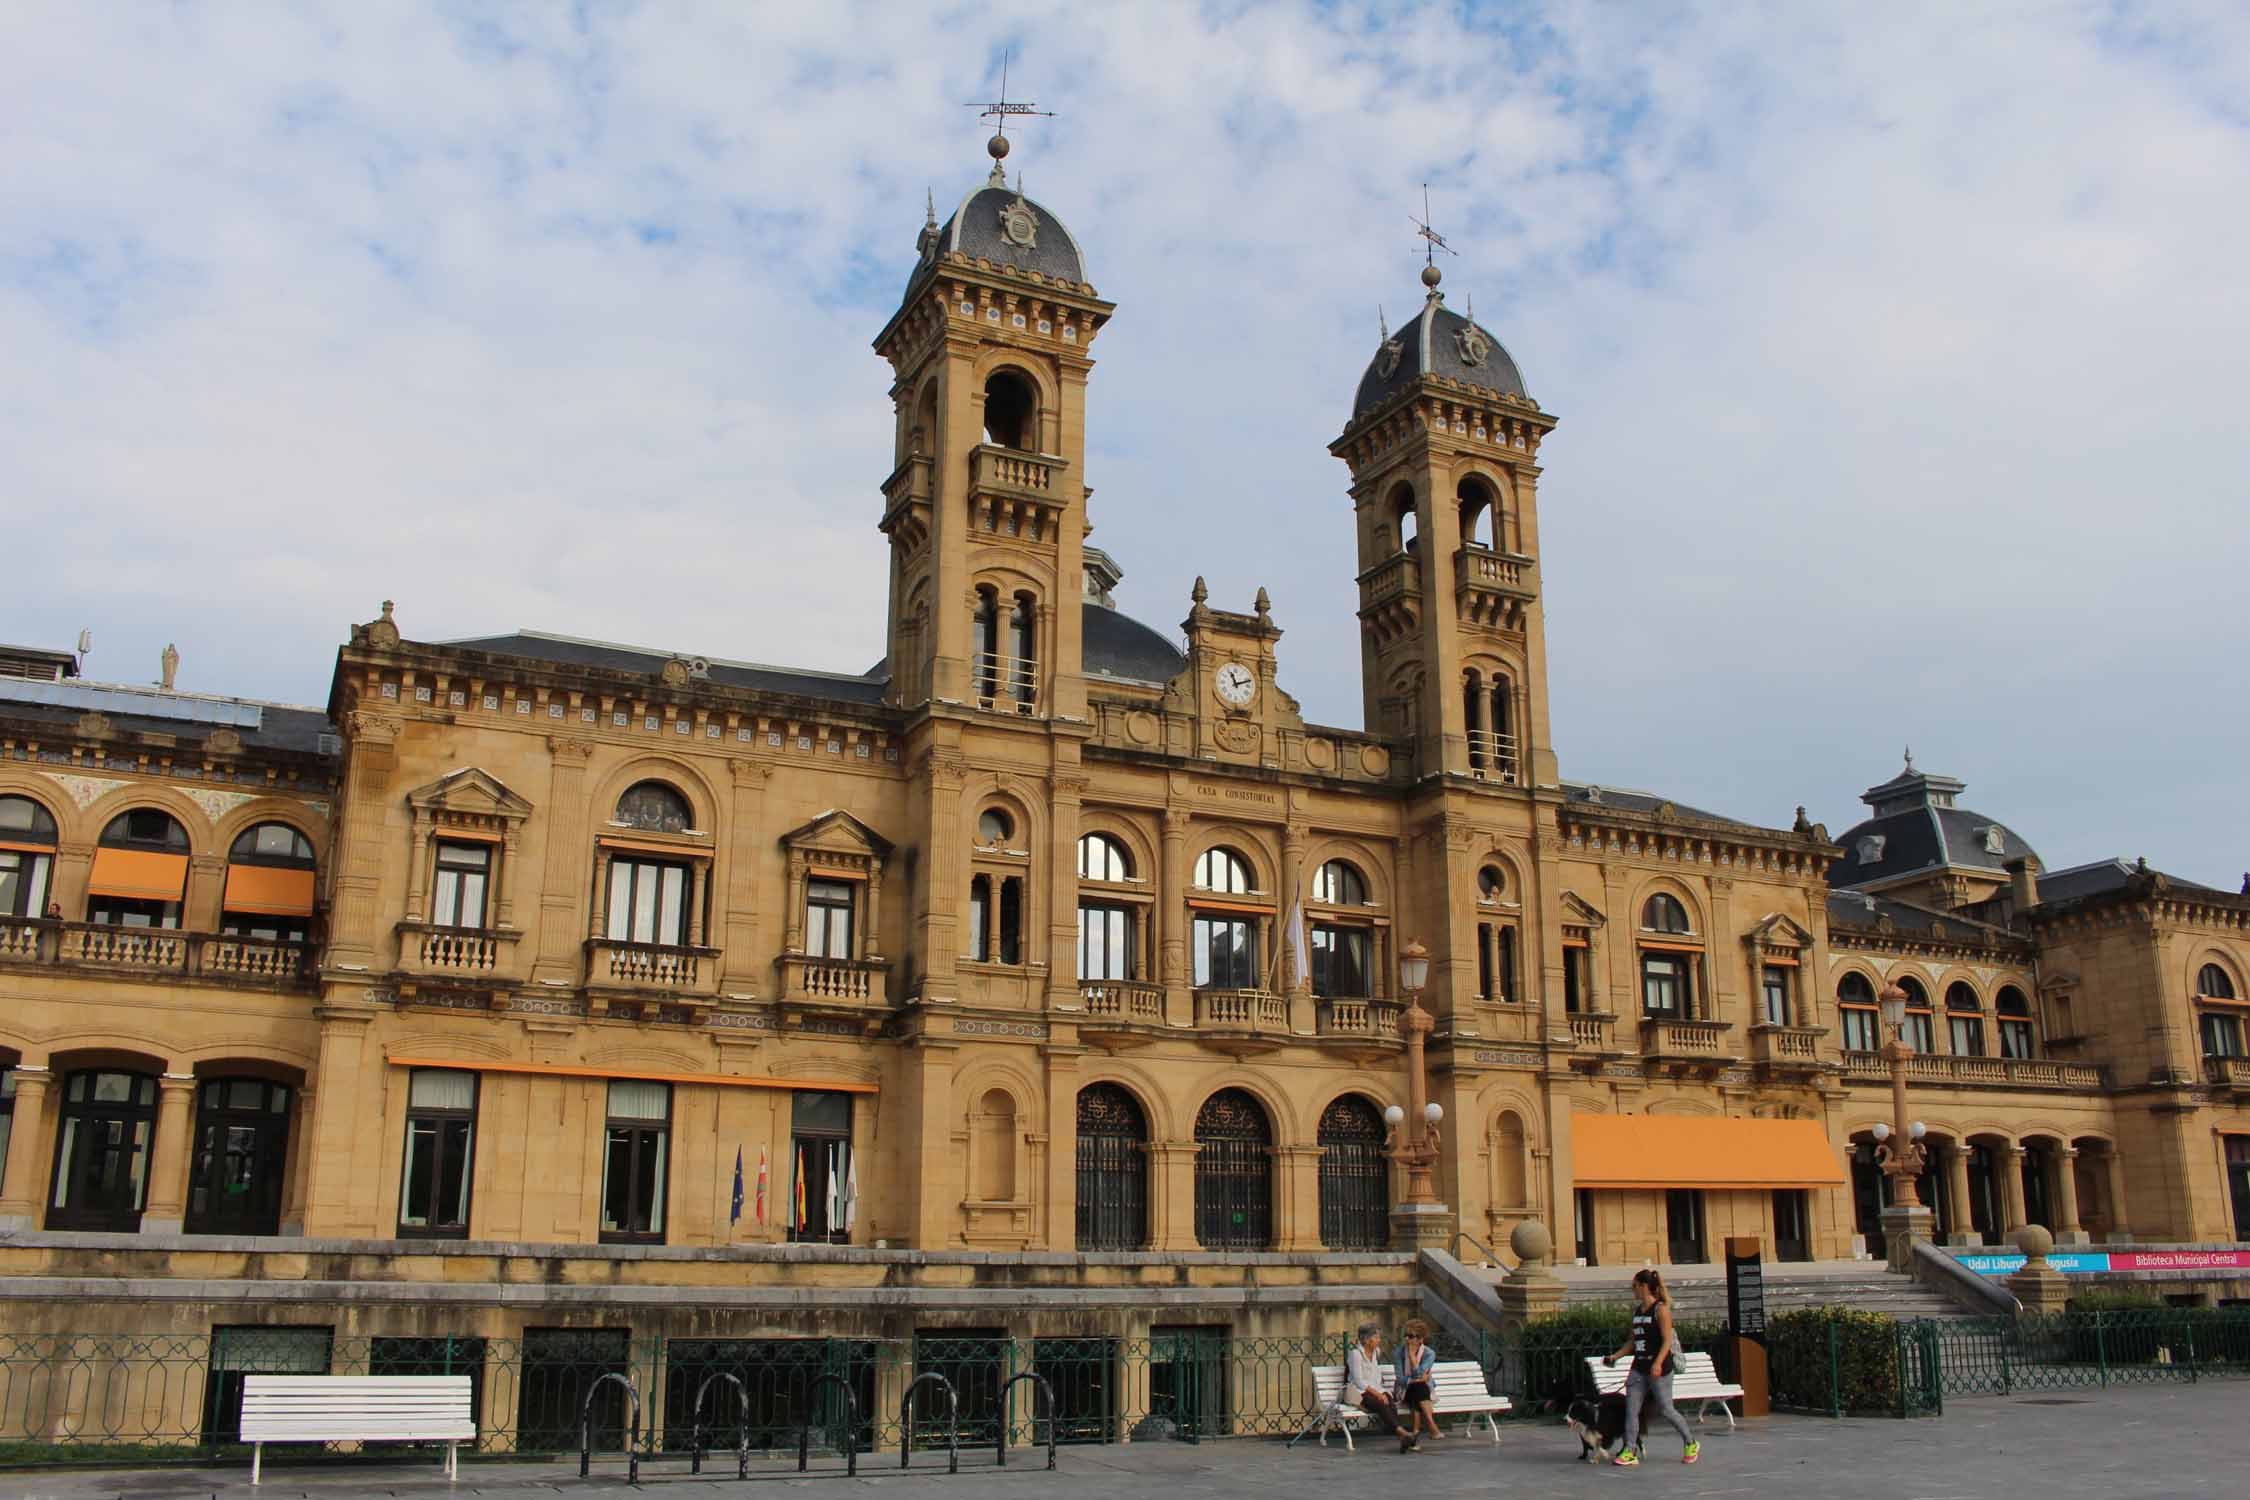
318, 1408
1457, 1380
1695, 1369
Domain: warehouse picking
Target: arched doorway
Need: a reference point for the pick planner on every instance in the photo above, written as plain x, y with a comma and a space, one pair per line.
1112, 1169
1355, 1180
104, 1134
1233, 1173
241, 1148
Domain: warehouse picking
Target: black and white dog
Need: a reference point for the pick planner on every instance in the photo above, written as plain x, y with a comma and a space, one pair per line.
1600, 1425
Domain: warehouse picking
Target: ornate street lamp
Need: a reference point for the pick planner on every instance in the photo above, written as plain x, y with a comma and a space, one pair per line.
1420, 1217
1898, 1147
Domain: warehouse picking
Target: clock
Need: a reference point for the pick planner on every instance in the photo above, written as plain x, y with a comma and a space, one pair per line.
1235, 686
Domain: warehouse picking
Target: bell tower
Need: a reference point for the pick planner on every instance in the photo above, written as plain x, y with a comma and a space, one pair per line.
986, 503
1443, 444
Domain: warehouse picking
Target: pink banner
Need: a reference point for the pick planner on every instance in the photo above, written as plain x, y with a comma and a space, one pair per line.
2179, 1260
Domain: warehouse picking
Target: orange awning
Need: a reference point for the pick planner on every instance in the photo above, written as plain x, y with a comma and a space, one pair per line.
268, 891
138, 875
1700, 1151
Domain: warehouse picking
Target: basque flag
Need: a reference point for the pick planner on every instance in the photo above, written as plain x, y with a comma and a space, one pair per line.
761, 1187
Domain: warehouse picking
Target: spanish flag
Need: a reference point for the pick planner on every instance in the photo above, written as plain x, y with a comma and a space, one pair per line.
800, 1187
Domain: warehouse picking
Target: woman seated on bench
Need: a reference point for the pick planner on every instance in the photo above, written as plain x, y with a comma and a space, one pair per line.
1363, 1385
1416, 1361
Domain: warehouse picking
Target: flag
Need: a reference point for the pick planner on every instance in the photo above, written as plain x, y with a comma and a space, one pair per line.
734, 1214
800, 1188
851, 1190
1297, 940
761, 1187
835, 1196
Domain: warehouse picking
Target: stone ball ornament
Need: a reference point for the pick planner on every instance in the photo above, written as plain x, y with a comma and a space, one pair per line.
1531, 1241
2034, 1241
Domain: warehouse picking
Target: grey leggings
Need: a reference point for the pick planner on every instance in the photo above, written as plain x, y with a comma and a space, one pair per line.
1657, 1391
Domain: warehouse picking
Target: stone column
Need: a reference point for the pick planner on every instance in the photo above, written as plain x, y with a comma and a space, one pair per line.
23, 1185
699, 872
2011, 1156
1292, 891
168, 1155
1171, 1195
418, 869
598, 907
1297, 1217
1957, 1190
561, 954
300, 1164
2120, 1223
793, 907
1172, 921
2068, 1231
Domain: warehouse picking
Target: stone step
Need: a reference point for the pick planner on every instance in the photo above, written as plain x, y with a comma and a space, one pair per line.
1705, 1300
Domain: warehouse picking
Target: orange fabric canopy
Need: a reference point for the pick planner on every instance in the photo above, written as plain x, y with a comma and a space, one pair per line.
1700, 1151
138, 875
269, 891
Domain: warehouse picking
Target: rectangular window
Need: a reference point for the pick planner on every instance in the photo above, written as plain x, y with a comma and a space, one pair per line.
1188, 1377
1105, 942
1860, 1029
828, 919
1225, 956
1573, 979
7, 1117
1663, 985
561, 1368
1011, 920
2015, 1038
2222, 1034
820, 1208
124, 911
633, 1166
1339, 961
1582, 1218
1683, 1217
1920, 1034
1966, 1033
23, 883
1484, 962
980, 918
1776, 991
437, 1354
458, 895
1508, 964
441, 1127
648, 902
261, 1350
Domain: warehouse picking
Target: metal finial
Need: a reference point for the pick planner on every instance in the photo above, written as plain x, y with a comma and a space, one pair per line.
1383, 322
998, 112
1910, 757
929, 209
1431, 275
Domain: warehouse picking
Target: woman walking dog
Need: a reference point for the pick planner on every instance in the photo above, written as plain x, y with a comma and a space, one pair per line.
1654, 1347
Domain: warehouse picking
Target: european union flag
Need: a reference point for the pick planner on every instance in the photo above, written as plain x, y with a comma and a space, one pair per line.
735, 1216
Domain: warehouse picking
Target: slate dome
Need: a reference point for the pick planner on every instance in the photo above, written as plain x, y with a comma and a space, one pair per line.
1438, 341
998, 223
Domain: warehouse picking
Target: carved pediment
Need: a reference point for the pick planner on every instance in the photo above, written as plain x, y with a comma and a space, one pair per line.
1577, 912
470, 795
837, 834
1779, 930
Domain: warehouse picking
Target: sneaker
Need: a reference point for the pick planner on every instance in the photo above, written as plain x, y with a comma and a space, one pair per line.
1627, 1459
1694, 1452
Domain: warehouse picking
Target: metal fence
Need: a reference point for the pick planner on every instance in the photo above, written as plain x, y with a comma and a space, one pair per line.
2002, 1356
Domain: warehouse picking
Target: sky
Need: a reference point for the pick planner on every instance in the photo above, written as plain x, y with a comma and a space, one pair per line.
1898, 351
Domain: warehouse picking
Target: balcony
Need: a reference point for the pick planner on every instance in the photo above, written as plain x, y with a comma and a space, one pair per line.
1390, 596
1686, 1045
1013, 493
1590, 1034
1121, 1013
1784, 1050
470, 953
657, 972
2228, 1073
1944, 1071
1241, 1021
839, 983
1491, 588
158, 953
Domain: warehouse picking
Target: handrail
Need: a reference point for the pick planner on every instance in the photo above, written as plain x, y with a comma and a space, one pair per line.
851, 1422
952, 1421
742, 1438
1491, 1256
1959, 1279
586, 1427
1043, 1389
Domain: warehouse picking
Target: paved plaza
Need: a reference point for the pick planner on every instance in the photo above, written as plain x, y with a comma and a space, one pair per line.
2143, 1442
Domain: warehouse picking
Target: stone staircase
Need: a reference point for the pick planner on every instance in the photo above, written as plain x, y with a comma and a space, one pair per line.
1699, 1293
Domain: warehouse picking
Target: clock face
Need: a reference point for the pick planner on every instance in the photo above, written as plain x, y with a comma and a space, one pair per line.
1235, 685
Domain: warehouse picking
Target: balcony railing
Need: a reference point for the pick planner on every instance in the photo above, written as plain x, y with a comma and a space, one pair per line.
655, 968
992, 467
1590, 1032
1006, 682
469, 952
1122, 1000
834, 981
1492, 756
1012, 493
153, 952
1253, 1010
1791, 1047
1396, 576
1666, 1036
1977, 1072
2227, 1072
1341, 1016
1491, 588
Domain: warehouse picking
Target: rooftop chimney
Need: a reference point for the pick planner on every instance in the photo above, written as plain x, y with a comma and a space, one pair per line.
2023, 881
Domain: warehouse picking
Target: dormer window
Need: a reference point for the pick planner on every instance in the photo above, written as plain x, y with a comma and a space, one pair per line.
1871, 849
1995, 839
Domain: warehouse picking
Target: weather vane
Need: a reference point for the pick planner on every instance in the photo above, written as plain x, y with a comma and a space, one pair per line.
1000, 109
1422, 228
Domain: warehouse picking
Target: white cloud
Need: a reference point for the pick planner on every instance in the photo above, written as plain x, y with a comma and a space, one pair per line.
1898, 355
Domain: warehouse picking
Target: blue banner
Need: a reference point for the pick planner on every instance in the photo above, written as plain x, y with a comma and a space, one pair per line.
2007, 1263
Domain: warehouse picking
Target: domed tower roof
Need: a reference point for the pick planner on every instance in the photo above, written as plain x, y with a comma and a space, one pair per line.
1919, 830
1439, 342
998, 223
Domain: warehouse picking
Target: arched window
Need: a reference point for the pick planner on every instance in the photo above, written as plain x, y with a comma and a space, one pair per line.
1112, 1169
2214, 983
995, 828
1355, 1182
1511, 1185
993, 1158
1339, 883
1403, 517
984, 645
1101, 857
1222, 869
1480, 516
654, 807
241, 1142
1964, 1020
269, 892
1921, 1030
1665, 914
27, 857
1011, 412
2017, 1036
1856, 1012
1233, 1173
2221, 1029
103, 1139
140, 871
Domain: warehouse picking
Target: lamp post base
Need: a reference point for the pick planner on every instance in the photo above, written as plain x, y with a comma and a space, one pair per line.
1901, 1228
1421, 1226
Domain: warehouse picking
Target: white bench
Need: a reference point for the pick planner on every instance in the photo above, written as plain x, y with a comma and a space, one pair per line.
1457, 1388
361, 1408
1696, 1379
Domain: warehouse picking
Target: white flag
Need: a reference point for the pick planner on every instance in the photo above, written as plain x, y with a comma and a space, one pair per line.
1297, 940
835, 1194
851, 1190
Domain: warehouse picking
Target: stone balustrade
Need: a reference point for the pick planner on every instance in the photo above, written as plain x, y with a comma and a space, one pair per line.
1341, 1016
1944, 1070
1252, 1010
1590, 1032
166, 953
1122, 1000
474, 952
653, 968
1665, 1036
809, 979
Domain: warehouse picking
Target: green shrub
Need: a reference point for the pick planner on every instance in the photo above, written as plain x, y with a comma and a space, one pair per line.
1555, 1348
2114, 1299
1856, 1371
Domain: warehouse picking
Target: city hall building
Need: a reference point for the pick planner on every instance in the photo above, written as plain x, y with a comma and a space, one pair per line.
535, 982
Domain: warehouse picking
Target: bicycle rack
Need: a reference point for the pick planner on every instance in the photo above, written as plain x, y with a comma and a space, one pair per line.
586, 1428
851, 1423
1044, 1389
695, 1430
952, 1422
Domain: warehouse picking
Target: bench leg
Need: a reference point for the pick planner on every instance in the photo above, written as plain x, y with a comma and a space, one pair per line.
1492, 1423
257, 1456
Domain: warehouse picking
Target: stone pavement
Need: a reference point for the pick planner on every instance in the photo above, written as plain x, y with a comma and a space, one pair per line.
2142, 1443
